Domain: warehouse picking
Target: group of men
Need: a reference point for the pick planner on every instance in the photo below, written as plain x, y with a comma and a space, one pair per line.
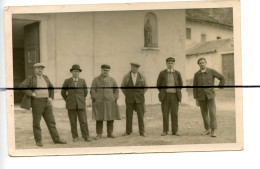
104, 91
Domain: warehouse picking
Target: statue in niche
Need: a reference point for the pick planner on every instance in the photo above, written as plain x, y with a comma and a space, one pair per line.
148, 34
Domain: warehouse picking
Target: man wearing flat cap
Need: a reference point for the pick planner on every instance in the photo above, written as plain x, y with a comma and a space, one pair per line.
169, 84
104, 94
38, 94
205, 97
134, 87
74, 92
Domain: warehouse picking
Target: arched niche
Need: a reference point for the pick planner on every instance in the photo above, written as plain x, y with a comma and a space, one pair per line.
150, 30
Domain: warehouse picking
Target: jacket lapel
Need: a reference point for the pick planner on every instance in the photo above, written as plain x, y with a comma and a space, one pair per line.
34, 81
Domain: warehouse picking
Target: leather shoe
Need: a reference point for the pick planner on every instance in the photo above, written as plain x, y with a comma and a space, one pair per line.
126, 134
142, 135
75, 139
213, 133
164, 134
206, 132
60, 142
87, 139
111, 136
39, 144
176, 134
98, 137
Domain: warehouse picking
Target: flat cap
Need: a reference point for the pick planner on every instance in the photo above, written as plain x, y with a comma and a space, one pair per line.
38, 65
170, 59
135, 64
105, 66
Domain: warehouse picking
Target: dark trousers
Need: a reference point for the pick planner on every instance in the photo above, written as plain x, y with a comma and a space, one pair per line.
139, 107
170, 104
41, 107
208, 111
81, 114
99, 127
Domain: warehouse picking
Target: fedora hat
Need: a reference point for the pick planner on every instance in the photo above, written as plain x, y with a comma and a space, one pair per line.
75, 67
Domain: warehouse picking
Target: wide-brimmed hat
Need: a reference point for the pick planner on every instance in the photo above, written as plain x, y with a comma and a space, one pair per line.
38, 65
75, 67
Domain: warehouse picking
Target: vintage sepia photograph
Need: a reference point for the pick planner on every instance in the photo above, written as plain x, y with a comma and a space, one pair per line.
124, 78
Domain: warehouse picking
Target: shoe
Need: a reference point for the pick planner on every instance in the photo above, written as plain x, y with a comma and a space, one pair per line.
98, 137
87, 139
39, 144
206, 132
143, 135
164, 134
213, 133
111, 136
176, 134
60, 142
126, 134
75, 139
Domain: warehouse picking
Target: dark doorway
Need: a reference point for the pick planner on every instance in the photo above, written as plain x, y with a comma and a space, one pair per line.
25, 51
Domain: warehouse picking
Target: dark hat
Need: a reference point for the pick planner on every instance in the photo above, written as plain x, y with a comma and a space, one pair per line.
75, 67
38, 65
135, 64
105, 66
201, 59
170, 59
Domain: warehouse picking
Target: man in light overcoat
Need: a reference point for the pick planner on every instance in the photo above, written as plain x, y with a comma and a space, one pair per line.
104, 94
134, 87
74, 92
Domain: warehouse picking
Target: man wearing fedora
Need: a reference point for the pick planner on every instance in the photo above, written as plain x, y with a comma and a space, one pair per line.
74, 92
134, 87
169, 84
205, 97
38, 94
104, 94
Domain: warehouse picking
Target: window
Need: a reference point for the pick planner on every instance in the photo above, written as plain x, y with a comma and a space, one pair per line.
218, 37
188, 33
203, 37
150, 31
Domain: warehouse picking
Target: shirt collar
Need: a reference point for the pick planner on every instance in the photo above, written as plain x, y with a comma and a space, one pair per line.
205, 71
38, 76
170, 70
75, 79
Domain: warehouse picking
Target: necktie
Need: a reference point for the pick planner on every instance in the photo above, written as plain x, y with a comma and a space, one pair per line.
75, 82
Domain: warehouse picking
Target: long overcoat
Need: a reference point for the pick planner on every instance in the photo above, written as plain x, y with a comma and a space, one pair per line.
104, 94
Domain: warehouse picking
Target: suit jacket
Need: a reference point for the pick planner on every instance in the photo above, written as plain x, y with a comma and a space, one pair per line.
74, 96
30, 83
133, 94
206, 80
162, 84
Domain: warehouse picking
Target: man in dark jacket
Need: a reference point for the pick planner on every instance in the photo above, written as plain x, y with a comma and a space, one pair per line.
169, 84
205, 97
74, 92
38, 94
134, 87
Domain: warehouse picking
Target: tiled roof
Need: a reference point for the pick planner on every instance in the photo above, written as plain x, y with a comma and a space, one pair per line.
210, 46
221, 16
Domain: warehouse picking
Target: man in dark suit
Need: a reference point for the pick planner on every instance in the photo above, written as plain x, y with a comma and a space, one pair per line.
38, 94
74, 92
205, 97
134, 87
169, 84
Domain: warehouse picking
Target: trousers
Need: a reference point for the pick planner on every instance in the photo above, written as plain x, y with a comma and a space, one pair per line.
99, 127
42, 108
170, 105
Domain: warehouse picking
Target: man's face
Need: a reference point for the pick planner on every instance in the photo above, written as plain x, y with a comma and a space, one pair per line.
170, 64
134, 69
202, 64
105, 72
38, 70
75, 73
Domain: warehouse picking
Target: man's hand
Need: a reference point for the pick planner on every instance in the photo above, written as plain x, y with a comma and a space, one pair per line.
33, 95
197, 102
50, 101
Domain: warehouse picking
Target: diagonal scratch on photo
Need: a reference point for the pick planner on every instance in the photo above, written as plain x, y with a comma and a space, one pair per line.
124, 78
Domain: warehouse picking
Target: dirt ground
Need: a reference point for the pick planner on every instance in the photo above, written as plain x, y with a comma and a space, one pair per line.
190, 127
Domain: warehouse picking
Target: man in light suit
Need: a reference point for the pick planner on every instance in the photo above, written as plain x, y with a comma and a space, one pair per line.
74, 92
38, 94
134, 87
169, 84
